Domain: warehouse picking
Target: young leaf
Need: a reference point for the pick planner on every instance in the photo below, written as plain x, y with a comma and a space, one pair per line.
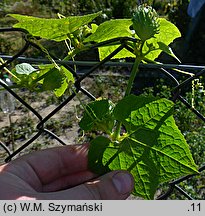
98, 116
24, 68
153, 149
25, 75
57, 80
52, 29
67, 80
167, 50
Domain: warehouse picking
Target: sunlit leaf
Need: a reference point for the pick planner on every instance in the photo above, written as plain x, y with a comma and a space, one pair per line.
98, 116
52, 29
109, 30
167, 50
152, 149
24, 68
167, 34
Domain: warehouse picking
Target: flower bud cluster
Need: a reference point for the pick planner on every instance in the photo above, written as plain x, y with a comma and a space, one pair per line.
145, 22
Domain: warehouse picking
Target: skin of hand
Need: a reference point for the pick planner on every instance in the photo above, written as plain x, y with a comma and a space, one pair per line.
61, 173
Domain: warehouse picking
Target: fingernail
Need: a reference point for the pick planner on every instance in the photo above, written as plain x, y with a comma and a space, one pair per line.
123, 182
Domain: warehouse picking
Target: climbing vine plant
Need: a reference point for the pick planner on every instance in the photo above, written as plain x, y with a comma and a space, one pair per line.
139, 133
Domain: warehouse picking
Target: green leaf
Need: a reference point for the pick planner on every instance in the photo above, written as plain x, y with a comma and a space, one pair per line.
98, 116
67, 81
109, 30
24, 68
53, 80
52, 29
93, 27
150, 114
125, 106
26, 75
96, 156
167, 50
153, 149
75, 22
129, 103
57, 80
68, 75
105, 51
167, 34
49, 78
44, 69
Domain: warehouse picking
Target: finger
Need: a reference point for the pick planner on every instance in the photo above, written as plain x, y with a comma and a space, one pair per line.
68, 181
116, 185
50, 165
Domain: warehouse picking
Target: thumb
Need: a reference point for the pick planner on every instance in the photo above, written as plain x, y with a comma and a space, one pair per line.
116, 185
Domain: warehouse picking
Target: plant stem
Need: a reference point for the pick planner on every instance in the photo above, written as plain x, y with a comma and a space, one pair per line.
133, 75
116, 133
7, 70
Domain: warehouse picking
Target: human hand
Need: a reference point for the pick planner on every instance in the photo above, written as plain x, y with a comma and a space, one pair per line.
60, 173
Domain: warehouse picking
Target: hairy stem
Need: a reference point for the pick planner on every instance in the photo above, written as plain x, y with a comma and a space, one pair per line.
133, 75
116, 133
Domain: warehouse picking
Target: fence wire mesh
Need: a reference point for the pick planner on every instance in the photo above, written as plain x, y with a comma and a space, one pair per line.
166, 70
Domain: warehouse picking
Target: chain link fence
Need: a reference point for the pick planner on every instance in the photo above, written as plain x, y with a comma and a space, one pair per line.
167, 71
